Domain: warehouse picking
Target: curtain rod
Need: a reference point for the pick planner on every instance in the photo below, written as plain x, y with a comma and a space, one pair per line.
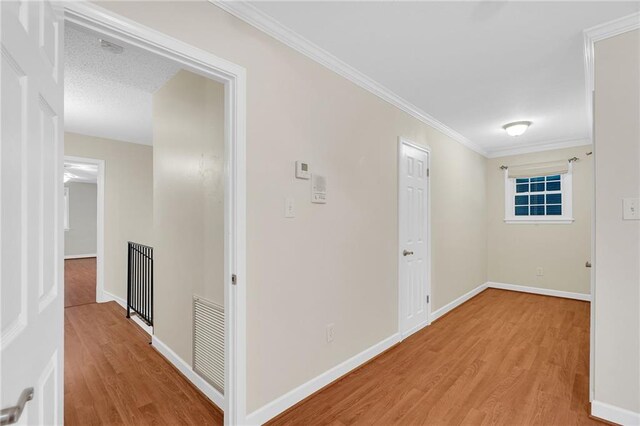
570, 160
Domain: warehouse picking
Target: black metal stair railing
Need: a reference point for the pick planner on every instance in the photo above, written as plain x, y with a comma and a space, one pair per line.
140, 281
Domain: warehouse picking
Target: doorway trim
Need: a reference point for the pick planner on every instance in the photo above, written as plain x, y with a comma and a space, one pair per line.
97, 19
426, 149
100, 297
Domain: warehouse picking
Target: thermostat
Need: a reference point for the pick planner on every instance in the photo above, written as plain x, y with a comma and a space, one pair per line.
302, 170
319, 189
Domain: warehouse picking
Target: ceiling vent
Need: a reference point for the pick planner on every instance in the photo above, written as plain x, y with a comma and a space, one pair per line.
111, 47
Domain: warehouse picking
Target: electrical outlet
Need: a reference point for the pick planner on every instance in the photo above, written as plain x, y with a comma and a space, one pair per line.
330, 332
539, 271
289, 207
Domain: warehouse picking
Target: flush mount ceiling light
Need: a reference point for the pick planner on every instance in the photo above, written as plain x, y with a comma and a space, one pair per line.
516, 128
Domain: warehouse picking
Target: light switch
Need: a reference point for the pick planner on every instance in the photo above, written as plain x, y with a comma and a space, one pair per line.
630, 208
289, 207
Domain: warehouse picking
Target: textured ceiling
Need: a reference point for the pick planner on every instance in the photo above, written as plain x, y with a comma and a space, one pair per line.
110, 95
473, 65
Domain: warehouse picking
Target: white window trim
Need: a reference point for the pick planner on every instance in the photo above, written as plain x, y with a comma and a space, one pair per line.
567, 202
66, 208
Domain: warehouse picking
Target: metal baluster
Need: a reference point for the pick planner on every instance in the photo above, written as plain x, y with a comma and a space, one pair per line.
129, 280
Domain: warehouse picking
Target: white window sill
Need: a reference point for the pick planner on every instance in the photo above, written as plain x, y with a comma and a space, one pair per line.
540, 220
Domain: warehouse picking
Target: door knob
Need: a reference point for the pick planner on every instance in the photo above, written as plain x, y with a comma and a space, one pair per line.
407, 253
11, 415
588, 264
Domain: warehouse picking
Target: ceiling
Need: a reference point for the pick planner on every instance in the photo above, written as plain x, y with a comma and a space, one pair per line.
473, 66
80, 172
110, 95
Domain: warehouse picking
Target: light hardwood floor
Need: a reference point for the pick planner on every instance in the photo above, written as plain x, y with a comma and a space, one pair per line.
114, 377
502, 358
79, 281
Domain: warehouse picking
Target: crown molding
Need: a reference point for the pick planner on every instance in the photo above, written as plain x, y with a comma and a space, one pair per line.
538, 147
591, 37
265, 23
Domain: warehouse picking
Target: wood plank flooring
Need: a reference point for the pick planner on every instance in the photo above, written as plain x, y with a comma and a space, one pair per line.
79, 281
114, 377
502, 358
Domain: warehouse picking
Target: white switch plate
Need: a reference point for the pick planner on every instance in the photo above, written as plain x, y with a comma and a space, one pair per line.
289, 207
631, 208
330, 332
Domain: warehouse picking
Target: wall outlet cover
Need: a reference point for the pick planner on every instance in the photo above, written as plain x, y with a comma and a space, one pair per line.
289, 207
631, 208
330, 332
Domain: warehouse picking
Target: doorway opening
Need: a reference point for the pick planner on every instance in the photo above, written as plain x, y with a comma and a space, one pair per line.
83, 230
196, 185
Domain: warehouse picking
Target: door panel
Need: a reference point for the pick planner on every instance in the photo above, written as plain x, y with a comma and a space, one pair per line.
31, 158
414, 265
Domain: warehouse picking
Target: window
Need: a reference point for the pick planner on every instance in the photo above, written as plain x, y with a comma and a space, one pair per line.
544, 198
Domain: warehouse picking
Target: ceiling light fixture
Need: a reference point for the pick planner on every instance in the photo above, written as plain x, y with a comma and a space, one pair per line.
516, 128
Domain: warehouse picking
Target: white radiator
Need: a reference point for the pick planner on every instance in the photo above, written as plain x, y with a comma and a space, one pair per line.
208, 341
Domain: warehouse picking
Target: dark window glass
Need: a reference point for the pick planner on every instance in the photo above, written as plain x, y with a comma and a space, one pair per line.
537, 199
553, 186
554, 210
554, 198
537, 203
537, 210
538, 187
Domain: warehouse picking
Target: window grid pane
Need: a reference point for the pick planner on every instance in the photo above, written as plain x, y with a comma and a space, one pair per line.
538, 196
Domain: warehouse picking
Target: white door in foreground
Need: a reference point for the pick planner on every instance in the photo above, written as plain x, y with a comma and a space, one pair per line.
414, 265
31, 268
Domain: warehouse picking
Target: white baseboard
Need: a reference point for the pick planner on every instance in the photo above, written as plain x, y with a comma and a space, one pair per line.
108, 297
614, 414
415, 329
277, 406
212, 393
537, 290
459, 301
79, 256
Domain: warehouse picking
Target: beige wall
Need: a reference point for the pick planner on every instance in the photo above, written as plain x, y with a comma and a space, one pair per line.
128, 200
81, 236
517, 250
617, 254
188, 190
334, 263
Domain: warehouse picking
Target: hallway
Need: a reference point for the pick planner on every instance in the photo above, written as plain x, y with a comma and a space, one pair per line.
79, 281
502, 358
114, 376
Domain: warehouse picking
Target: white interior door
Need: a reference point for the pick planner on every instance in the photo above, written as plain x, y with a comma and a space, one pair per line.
31, 157
414, 238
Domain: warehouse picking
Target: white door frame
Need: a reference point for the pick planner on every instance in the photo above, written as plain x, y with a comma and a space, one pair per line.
99, 222
426, 149
233, 77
